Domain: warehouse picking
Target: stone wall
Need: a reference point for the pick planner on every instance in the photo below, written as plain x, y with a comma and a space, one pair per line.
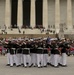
26, 35
2, 13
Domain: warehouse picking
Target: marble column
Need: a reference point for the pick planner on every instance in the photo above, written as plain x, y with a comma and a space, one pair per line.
32, 18
45, 14
57, 16
8, 13
69, 14
20, 13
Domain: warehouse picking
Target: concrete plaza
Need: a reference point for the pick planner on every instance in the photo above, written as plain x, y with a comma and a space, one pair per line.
6, 70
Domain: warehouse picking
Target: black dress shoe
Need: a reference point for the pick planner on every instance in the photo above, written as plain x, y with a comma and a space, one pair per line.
30, 66
14, 64
64, 65
22, 64
51, 65
60, 64
48, 63
56, 66
25, 66
45, 66
8, 65
34, 66
11, 66
17, 65
39, 67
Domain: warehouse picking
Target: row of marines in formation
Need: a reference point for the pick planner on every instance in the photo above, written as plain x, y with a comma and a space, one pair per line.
36, 53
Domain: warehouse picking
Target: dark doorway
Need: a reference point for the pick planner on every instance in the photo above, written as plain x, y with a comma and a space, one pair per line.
14, 5
39, 12
26, 13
